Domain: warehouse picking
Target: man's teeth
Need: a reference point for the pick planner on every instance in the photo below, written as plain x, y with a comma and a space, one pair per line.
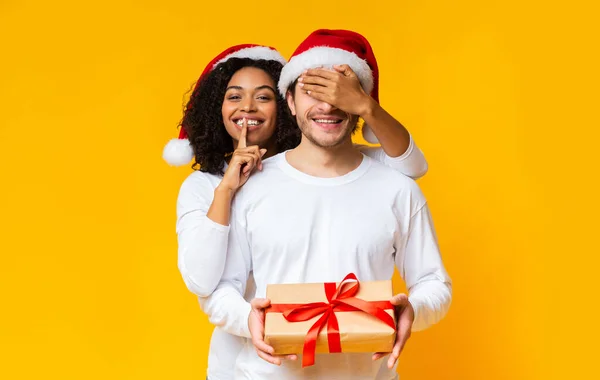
327, 121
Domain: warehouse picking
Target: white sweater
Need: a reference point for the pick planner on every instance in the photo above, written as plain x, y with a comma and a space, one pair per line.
203, 244
289, 227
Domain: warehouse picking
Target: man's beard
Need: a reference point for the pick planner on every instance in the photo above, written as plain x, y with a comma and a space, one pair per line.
306, 129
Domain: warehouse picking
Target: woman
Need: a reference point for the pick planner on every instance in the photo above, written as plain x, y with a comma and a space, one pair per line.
235, 105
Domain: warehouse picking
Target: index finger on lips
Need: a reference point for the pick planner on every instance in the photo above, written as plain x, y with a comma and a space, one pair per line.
243, 134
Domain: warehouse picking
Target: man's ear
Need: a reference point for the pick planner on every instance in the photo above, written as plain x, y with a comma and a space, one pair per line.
290, 101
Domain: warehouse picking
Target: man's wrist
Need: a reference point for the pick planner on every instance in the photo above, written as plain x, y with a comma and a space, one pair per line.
412, 309
248, 309
411, 304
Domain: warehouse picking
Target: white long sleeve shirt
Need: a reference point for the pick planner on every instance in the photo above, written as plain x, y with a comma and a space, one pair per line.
203, 245
202, 242
289, 227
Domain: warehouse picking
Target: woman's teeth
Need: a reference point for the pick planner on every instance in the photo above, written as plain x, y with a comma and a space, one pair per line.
250, 122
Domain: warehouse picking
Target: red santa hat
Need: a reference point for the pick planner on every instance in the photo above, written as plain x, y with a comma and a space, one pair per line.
178, 151
325, 48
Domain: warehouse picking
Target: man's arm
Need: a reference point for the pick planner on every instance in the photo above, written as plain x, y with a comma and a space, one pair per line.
420, 265
419, 262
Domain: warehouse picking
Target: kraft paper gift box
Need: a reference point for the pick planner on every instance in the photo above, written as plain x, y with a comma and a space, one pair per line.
365, 318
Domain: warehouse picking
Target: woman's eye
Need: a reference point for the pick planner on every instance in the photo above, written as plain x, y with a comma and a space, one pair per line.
265, 98
233, 97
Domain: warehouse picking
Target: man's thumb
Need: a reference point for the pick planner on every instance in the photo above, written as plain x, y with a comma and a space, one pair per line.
399, 300
260, 303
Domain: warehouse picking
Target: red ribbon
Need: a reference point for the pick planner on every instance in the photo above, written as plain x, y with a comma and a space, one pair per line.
339, 299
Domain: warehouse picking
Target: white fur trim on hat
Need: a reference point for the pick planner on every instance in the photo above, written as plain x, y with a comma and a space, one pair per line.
178, 152
256, 53
324, 56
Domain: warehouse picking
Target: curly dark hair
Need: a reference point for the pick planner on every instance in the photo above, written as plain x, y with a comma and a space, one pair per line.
203, 120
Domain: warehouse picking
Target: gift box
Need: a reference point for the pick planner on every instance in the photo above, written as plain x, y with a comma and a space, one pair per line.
349, 316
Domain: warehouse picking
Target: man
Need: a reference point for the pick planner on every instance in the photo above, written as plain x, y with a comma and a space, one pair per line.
298, 221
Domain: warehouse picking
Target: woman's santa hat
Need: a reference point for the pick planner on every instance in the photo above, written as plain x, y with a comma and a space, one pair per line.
325, 48
178, 151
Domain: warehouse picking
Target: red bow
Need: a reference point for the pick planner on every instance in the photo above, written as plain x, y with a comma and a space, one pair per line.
339, 299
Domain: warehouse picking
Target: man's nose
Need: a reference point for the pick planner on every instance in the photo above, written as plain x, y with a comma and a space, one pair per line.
326, 107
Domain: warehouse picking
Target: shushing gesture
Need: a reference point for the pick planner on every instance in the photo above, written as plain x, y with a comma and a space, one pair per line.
244, 160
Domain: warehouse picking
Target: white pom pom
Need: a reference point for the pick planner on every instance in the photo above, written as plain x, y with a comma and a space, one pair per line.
178, 152
368, 135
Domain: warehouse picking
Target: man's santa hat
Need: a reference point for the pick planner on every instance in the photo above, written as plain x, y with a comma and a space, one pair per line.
178, 151
325, 48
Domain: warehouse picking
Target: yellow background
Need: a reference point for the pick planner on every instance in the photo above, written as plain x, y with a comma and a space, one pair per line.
500, 95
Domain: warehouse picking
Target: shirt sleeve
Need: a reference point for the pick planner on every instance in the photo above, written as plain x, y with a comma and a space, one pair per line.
411, 163
202, 243
226, 306
420, 265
